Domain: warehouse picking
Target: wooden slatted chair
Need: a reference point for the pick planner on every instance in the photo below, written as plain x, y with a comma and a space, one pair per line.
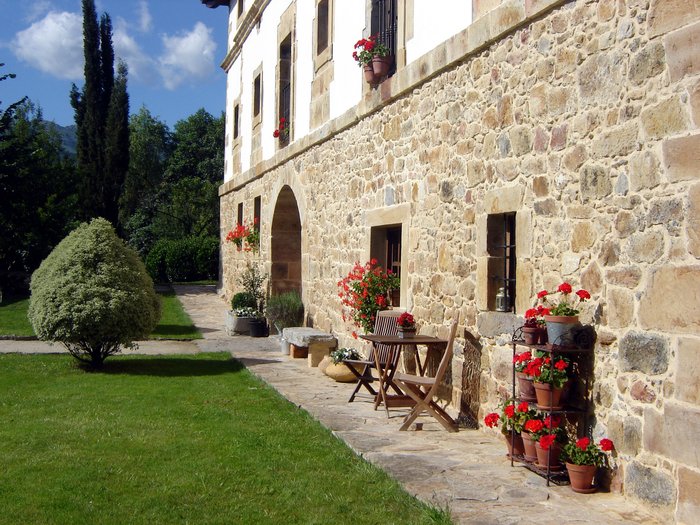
422, 389
384, 324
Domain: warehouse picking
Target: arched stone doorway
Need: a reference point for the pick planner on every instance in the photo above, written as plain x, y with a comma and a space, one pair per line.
285, 275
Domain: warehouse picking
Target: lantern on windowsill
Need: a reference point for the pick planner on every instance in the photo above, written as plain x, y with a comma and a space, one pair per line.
502, 300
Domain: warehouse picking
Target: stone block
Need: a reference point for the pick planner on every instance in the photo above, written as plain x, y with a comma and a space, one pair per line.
625, 223
626, 434
682, 52
673, 432
618, 141
650, 485
594, 182
503, 200
647, 246
666, 118
667, 15
620, 307
670, 301
520, 140
688, 370
641, 391
482, 279
591, 278
319, 350
693, 225
575, 157
681, 157
643, 352
688, 506
600, 78
627, 276
583, 236
494, 324
647, 63
694, 95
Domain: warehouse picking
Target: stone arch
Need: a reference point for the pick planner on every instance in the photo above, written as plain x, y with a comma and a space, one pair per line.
285, 244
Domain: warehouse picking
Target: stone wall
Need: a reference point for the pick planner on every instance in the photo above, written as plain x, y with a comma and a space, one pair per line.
584, 122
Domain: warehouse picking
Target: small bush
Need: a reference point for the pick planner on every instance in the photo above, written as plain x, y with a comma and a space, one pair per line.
189, 259
285, 310
243, 300
93, 294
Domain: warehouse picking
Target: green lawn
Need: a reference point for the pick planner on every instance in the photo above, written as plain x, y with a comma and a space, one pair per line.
174, 322
186, 439
13, 317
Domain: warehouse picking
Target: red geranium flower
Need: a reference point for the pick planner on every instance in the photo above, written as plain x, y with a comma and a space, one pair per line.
542, 294
547, 440
583, 295
564, 288
523, 407
552, 422
491, 419
509, 411
606, 445
560, 365
534, 425
276, 133
583, 443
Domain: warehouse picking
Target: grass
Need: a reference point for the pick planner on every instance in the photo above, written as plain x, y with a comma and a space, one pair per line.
174, 322
186, 439
13, 317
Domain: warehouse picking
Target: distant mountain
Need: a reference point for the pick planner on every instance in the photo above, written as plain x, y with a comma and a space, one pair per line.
68, 136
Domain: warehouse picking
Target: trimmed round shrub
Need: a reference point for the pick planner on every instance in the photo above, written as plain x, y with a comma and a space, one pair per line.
93, 294
155, 260
243, 300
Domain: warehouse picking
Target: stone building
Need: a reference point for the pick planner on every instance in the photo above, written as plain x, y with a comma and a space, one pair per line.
567, 128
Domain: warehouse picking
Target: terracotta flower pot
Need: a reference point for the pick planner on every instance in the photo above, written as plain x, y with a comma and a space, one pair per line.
561, 330
381, 66
531, 335
548, 398
581, 477
525, 387
369, 74
549, 456
530, 452
515, 444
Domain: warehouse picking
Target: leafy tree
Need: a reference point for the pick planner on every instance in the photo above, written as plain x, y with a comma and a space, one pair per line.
100, 170
199, 150
150, 146
93, 295
36, 191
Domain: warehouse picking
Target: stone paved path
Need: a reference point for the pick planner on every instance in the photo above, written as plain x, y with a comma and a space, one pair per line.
467, 471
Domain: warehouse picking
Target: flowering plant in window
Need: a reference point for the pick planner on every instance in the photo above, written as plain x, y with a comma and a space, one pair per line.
564, 306
585, 452
512, 416
544, 369
364, 292
246, 236
406, 320
282, 130
368, 48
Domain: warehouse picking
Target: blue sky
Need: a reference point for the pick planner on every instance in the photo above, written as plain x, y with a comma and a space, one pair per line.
173, 49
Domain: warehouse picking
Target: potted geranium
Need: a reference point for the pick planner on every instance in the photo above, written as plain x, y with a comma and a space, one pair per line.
374, 57
525, 386
511, 419
364, 292
562, 321
549, 376
548, 436
282, 131
406, 325
245, 236
534, 331
583, 457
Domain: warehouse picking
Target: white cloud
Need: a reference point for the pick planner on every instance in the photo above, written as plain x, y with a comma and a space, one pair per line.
145, 18
141, 67
36, 9
187, 56
53, 45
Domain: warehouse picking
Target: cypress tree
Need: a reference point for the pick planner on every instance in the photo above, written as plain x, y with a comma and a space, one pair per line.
97, 162
116, 145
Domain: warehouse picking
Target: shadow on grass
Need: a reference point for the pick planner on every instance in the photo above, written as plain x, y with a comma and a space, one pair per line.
172, 367
10, 300
169, 330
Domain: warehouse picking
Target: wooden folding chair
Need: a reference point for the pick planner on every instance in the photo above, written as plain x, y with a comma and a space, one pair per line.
384, 324
422, 389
